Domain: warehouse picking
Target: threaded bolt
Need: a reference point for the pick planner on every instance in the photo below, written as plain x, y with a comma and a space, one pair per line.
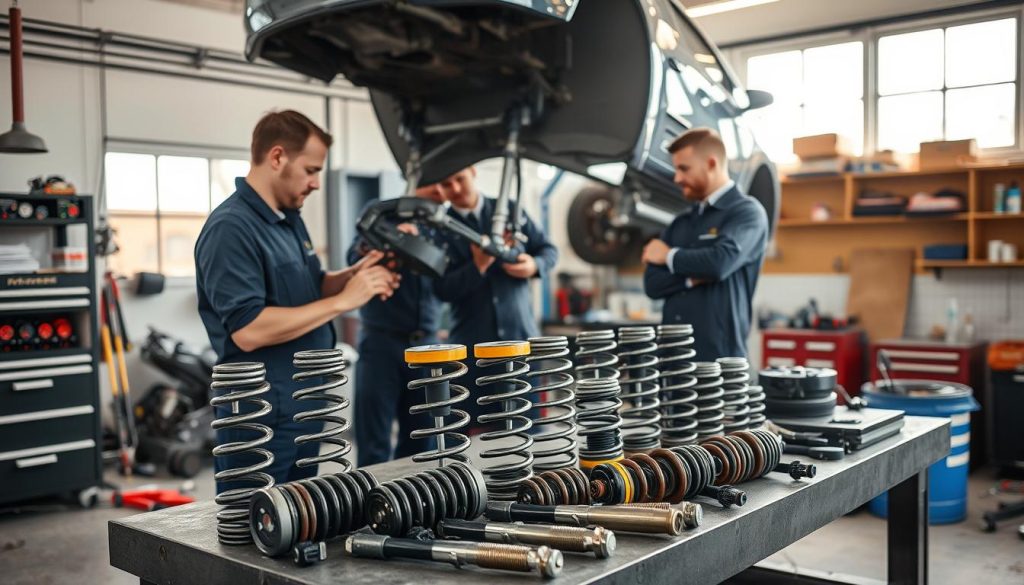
797, 470
726, 495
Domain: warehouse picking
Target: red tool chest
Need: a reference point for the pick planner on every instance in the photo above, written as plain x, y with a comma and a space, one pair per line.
843, 351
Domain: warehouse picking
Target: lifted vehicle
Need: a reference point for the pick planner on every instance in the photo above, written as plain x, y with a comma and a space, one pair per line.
598, 88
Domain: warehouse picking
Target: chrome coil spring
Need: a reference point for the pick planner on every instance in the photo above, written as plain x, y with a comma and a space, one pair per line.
554, 418
597, 397
595, 355
423, 499
556, 487
511, 425
709, 399
755, 400
678, 410
641, 413
327, 364
735, 393
442, 363
233, 385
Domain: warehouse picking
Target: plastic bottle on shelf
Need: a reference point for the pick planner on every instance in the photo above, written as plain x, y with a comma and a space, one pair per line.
999, 198
952, 321
1013, 198
967, 332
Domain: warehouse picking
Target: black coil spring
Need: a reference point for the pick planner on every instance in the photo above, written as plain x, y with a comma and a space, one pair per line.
755, 400
556, 487
735, 393
678, 410
554, 418
709, 399
314, 509
233, 385
511, 425
423, 499
597, 396
641, 413
328, 365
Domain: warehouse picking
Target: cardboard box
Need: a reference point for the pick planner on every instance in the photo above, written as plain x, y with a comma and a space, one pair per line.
947, 153
821, 146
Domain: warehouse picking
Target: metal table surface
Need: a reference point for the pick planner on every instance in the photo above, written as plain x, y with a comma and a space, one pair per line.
179, 545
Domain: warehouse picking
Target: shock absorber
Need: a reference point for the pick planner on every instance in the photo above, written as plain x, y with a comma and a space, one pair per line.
735, 393
678, 410
709, 400
554, 416
326, 364
511, 425
597, 398
626, 518
443, 362
641, 414
233, 385
598, 540
423, 499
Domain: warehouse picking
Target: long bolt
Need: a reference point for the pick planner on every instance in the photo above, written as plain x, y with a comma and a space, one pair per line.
693, 514
597, 540
645, 520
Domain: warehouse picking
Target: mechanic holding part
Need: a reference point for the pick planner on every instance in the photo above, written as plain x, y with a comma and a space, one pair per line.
263, 294
409, 318
707, 261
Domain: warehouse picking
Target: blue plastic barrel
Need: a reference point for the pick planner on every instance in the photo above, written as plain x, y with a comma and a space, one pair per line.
947, 478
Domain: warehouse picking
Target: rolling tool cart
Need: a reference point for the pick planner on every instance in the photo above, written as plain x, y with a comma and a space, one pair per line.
49, 399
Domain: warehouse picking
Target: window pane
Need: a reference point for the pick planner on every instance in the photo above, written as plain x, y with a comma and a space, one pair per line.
844, 117
981, 53
985, 113
774, 127
910, 62
222, 178
834, 71
905, 121
130, 181
179, 232
184, 184
137, 239
780, 74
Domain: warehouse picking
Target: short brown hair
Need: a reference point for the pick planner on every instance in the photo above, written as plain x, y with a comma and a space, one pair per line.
288, 129
704, 140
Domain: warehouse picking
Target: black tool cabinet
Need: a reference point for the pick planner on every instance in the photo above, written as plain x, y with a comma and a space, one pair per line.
50, 437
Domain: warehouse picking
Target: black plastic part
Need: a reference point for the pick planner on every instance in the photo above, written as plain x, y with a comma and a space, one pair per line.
462, 529
305, 554
408, 548
438, 392
796, 469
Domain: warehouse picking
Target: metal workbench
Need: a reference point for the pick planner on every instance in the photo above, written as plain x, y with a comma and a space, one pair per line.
179, 545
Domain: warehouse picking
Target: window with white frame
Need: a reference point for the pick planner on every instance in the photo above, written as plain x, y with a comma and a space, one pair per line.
158, 204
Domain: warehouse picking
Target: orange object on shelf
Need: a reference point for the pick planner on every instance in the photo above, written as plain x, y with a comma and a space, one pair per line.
1006, 355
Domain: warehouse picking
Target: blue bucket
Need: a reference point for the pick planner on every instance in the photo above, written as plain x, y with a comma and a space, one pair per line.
947, 479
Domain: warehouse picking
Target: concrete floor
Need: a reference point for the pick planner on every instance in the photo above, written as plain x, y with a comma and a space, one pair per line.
50, 542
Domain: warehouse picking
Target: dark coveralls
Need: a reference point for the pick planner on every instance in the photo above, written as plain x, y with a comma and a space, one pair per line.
492, 306
725, 246
249, 257
409, 318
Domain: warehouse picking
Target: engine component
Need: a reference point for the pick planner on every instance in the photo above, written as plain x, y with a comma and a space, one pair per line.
627, 519
514, 460
678, 410
554, 416
641, 413
545, 561
709, 399
444, 365
597, 540
597, 398
327, 364
735, 393
555, 487
233, 385
424, 499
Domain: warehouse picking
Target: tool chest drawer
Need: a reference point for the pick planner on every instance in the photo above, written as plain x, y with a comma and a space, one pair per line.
46, 388
24, 471
44, 427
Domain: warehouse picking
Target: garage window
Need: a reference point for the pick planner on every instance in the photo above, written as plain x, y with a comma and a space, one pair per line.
158, 204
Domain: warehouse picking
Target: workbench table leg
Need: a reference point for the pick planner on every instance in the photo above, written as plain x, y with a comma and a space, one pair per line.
908, 531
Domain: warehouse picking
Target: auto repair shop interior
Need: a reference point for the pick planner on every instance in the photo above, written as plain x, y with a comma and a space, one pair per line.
393, 291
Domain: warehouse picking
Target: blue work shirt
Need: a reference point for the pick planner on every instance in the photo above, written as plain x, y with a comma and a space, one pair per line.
723, 246
248, 257
492, 306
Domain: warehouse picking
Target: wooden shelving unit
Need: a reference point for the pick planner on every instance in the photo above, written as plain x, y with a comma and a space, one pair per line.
807, 246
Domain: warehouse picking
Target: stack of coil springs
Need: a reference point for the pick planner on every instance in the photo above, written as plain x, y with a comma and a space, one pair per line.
554, 418
641, 413
678, 408
443, 364
233, 386
511, 393
314, 509
455, 491
326, 365
597, 397
735, 393
709, 399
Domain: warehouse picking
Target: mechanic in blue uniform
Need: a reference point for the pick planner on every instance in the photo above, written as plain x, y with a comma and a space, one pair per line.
263, 294
490, 300
410, 318
707, 261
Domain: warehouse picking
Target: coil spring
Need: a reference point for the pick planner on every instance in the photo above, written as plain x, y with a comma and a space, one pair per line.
735, 393
755, 400
441, 395
744, 455
314, 509
423, 499
709, 399
556, 487
515, 461
678, 411
641, 415
554, 445
595, 357
233, 385
597, 397
329, 365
